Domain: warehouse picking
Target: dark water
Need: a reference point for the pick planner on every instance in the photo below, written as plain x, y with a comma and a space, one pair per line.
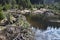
49, 34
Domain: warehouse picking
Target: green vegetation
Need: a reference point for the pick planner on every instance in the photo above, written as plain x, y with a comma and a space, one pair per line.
7, 6
27, 4
24, 4
38, 6
15, 3
54, 7
1, 13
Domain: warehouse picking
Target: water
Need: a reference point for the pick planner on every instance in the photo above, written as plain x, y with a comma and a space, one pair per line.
49, 34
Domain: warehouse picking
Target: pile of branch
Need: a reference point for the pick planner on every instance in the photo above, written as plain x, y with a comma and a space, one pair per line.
16, 33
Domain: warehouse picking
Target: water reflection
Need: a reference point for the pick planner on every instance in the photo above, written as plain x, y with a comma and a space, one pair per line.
49, 34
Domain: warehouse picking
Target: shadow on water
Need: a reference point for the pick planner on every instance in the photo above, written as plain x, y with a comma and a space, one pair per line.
45, 25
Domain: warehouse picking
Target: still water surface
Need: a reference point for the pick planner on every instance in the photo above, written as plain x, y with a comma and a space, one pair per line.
49, 34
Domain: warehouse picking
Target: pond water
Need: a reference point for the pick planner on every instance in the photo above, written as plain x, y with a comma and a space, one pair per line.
49, 34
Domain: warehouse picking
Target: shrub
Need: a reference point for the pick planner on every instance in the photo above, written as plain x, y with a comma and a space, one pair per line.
1, 7
1, 15
7, 6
